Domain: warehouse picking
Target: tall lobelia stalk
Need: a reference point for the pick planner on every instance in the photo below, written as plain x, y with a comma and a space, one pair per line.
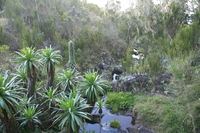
71, 62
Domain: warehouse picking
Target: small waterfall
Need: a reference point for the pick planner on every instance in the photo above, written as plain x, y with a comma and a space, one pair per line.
115, 77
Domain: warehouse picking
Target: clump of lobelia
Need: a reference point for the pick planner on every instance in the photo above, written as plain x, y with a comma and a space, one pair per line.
71, 62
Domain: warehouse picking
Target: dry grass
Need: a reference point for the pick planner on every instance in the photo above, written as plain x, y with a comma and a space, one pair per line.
3, 22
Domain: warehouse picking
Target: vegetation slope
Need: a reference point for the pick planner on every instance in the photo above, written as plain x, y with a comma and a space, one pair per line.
167, 35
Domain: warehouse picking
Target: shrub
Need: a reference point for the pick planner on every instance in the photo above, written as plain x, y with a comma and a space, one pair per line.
115, 124
121, 100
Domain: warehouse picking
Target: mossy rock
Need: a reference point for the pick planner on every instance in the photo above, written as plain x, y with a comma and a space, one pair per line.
115, 124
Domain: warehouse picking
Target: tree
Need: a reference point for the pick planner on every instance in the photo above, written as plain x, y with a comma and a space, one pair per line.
50, 58
113, 8
8, 100
71, 112
100, 106
2, 3
92, 86
20, 77
28, 59
174, 18
29, 117
68, 79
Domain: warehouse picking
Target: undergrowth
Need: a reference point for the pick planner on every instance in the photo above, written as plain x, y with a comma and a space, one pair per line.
120, 100
115, 124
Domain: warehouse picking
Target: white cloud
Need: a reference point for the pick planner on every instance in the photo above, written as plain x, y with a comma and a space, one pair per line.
102, 3
124, 3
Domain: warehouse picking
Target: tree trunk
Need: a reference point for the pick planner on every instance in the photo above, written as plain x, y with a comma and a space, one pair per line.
100, 125
31, 126
10, 125
50, 77
89, 109
31, 78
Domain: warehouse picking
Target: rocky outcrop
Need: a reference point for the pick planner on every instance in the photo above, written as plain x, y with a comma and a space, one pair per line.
139, 81
139, 129
161, 82
117, 70
164, 78
115, 85
99, 68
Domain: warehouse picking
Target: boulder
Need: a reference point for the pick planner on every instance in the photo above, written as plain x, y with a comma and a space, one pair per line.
164, 78
139, 81
105, 58
128, 83
133, 129
143, 129
117, 70
139, 129
99, 68
123, 131
160, 84
115, 85
94, 118
195, 61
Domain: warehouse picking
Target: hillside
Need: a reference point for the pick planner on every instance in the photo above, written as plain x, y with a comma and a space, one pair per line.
159, 42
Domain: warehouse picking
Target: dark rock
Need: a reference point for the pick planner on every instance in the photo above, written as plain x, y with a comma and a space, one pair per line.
135, 52
144, 130
108, 61
128, 83
115, 85
164, 78
138, 129
160, 84
160, 88
105, 58
123, 131
117, 70
139, 81
133, 129
171, 92
94, 118
195, 61
119, 55
99, 68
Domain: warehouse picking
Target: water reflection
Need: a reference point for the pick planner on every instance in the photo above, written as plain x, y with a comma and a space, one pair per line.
125, 121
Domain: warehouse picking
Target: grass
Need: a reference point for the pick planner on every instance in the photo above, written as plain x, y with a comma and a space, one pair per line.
120, 100
162, 113
3, 22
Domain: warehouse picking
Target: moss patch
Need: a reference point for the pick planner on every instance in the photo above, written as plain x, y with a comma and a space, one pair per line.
115, 124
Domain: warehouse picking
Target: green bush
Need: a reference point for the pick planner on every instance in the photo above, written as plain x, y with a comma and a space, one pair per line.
115, 124
154, 64
120, 100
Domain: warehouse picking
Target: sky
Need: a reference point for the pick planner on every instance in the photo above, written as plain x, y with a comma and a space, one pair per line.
102, 3
124, 3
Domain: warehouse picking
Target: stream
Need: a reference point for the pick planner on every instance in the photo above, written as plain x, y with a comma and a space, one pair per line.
121, 116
